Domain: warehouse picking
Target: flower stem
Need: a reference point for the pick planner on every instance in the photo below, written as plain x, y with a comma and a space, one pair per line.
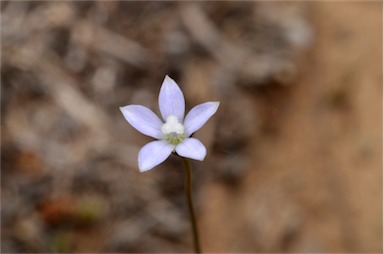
188, 195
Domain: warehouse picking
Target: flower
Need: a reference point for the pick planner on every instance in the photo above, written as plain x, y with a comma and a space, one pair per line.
174, 132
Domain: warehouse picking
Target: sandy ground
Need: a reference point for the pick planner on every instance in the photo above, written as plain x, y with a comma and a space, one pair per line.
318, 176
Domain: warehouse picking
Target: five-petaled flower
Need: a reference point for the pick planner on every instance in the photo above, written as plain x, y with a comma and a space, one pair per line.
174, 134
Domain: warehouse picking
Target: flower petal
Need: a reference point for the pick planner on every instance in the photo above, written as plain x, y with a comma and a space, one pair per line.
192, 148
154, 153
199, 115
143, 120
171, 100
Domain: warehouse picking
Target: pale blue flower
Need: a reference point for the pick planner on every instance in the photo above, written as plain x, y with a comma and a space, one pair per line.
174, 131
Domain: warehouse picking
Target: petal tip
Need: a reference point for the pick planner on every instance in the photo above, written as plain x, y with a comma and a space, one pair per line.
217, 104
170, 83
201, 158
122, 108
168, 78
143, 169
127, 107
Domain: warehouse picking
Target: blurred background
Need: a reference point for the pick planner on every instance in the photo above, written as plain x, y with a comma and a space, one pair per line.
294, 158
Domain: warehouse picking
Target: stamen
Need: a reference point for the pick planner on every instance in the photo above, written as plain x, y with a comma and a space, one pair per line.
173, 130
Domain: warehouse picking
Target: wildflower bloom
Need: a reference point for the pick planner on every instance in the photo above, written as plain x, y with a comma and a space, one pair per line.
174, 132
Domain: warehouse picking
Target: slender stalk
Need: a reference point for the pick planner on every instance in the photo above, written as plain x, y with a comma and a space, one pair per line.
188, 195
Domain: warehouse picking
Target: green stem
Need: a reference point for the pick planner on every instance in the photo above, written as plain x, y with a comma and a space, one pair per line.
188, 195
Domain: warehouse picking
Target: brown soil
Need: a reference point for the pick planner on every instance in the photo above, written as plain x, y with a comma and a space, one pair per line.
315, 185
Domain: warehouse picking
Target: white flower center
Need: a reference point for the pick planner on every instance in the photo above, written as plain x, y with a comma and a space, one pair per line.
173, 130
